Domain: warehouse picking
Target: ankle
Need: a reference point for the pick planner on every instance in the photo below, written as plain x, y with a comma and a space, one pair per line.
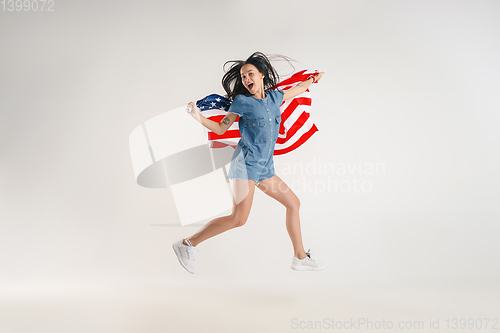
187, 242
300, 256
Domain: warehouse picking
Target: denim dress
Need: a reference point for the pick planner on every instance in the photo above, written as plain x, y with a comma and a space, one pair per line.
259, 125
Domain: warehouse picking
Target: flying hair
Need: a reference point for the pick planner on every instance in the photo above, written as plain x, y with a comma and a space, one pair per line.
231, 81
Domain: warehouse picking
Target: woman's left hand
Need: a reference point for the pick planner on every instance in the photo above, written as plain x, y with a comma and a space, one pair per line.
318, 76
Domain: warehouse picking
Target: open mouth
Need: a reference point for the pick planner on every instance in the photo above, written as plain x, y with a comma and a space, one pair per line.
250, 86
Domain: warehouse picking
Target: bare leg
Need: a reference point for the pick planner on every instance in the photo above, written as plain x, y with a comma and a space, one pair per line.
243, 191
277, 189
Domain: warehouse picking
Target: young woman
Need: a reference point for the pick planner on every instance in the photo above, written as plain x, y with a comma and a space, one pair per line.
246, 84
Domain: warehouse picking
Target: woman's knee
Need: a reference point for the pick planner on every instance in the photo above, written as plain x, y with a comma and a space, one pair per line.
294, 203
238, 220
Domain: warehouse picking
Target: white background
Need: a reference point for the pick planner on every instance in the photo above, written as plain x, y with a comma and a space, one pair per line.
409, 85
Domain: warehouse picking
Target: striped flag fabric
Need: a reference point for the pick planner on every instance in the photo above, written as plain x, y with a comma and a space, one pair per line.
296, 124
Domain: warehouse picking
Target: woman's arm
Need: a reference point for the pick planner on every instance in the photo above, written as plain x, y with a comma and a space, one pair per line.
227, 121
218, 128
194, 111
301, 87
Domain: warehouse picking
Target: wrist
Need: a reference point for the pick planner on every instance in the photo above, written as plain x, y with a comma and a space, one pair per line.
312, 77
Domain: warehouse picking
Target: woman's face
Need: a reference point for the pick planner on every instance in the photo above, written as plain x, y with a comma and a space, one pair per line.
252, 79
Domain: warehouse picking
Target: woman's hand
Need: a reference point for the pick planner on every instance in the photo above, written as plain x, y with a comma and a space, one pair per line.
194, 111
318, 76
302, 86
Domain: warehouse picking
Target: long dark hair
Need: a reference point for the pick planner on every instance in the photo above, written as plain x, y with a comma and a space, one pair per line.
231, 81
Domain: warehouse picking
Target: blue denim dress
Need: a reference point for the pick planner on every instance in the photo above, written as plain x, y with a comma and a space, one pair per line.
259, 125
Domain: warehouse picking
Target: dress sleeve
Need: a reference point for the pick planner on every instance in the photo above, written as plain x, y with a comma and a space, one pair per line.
279, 96
236, 106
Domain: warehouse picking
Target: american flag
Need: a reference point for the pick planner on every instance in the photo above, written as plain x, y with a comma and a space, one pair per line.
296, 124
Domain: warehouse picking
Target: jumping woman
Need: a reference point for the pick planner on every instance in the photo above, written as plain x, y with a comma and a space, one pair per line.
247, 85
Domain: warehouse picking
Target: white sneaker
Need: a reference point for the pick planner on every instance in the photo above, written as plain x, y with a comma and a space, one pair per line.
185, 254
306, 264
